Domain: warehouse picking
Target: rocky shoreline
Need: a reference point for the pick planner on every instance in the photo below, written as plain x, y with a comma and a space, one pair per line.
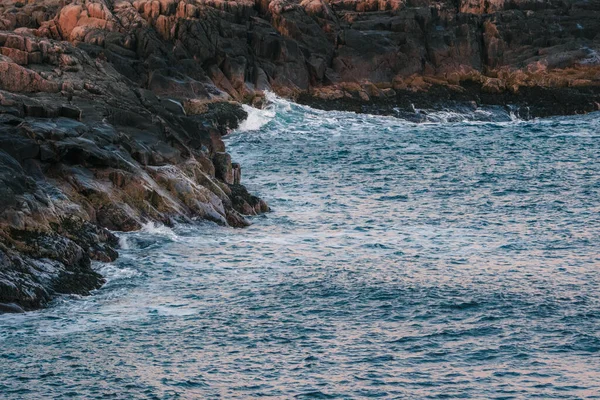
112, 111
530, 102
73, 170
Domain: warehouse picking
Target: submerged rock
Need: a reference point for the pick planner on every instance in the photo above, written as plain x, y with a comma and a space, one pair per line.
11, 308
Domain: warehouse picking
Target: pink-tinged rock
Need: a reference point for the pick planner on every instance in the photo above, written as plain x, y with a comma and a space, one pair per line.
191, 11
168, 7
494, 85
18, 56
67, 21
92, 22
163, 26
15, 78
151, 9
223, 167
221, 81
97, 10
481, 6
15, 42
31, 45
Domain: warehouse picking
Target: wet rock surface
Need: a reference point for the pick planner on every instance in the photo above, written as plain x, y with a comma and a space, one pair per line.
112, 112
530, 102
65, 182
122, 160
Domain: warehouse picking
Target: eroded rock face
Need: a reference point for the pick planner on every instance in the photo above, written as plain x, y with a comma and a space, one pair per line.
75, 165
184, 48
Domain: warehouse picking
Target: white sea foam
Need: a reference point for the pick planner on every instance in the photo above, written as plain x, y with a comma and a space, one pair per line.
111, 272
513, 117
480, 115
593, 58
257, 118
278, 111
124, 243
155, 228
280, 103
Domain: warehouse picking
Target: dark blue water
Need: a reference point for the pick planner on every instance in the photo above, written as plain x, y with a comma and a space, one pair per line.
437, 260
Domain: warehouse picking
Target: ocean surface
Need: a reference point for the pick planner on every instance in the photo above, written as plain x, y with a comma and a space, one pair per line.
457, 257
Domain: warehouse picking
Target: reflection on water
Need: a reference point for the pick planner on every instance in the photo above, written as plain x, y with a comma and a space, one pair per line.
443, 259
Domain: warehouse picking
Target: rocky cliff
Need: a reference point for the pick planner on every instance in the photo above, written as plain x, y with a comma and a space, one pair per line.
112, 111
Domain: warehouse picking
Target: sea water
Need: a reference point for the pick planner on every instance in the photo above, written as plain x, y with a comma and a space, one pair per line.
458, 257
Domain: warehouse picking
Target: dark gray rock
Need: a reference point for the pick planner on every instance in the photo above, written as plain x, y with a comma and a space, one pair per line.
10, 308
223, 167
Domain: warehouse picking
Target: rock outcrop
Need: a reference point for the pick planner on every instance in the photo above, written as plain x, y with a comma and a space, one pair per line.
112, 111
96, 137
328, 50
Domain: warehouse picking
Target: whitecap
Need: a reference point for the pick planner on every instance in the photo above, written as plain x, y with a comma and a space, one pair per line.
257, 118
111, 272
155, 228
124, 243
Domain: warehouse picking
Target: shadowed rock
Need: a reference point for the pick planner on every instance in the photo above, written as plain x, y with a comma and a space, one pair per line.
10, 308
